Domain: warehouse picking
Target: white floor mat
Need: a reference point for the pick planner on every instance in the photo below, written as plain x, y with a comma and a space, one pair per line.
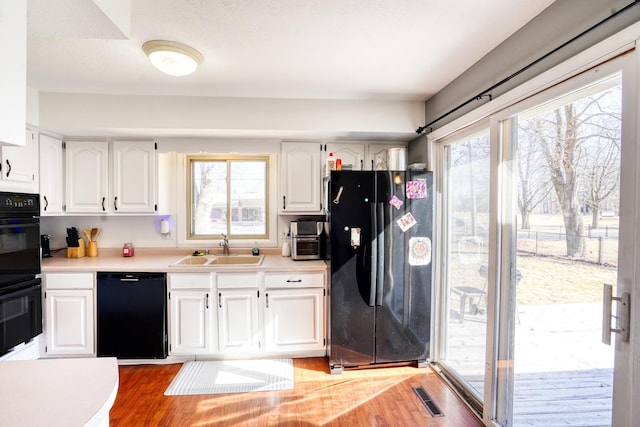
232, 376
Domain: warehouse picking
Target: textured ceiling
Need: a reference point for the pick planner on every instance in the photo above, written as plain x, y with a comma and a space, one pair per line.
316, 49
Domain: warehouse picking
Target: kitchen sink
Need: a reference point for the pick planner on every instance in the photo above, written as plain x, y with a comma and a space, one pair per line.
193, 260
237, 260
219, 260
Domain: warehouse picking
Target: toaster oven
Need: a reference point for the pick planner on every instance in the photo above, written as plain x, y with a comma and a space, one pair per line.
306, 240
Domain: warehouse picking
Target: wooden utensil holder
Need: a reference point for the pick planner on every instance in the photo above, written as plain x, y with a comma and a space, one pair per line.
78, 252
92, 249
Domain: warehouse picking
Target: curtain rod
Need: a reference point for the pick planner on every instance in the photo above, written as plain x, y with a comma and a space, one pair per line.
487, 92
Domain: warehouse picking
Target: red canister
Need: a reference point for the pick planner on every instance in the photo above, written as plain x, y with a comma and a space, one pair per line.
127, 249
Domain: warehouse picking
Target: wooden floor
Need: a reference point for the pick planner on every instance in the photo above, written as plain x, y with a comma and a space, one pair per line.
368, 397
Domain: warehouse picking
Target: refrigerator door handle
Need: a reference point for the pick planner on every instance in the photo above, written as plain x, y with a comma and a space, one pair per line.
379, 224
374, 256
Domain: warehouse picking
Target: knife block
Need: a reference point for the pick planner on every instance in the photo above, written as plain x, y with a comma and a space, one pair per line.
78, 252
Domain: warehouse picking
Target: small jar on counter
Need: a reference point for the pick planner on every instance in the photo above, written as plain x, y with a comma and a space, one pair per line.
127, 249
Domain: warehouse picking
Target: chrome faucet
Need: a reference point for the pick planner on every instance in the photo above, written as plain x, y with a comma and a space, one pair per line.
225, 244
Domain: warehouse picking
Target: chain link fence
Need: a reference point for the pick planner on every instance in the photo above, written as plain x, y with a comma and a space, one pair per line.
600, 245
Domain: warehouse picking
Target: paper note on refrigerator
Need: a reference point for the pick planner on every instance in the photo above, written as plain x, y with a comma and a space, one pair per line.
419, 251
355, 237
406, 221
396, 202
416, 189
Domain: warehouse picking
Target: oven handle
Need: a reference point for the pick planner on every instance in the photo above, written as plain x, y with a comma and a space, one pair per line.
9, 223
20, 289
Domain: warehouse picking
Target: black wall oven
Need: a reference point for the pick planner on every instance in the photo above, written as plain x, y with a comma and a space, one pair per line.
20, 285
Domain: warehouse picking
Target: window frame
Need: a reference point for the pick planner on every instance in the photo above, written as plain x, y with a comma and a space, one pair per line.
189, 236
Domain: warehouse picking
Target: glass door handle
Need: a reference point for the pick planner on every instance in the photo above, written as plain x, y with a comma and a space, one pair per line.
622, 326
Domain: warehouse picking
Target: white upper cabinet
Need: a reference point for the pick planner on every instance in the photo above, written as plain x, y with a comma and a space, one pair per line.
300, 180
86, 177
133, 185
134, 177
13, 72
51, 176
20, 163
377, 156
351, 155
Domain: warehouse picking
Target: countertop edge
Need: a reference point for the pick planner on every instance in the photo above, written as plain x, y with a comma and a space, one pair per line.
161, 260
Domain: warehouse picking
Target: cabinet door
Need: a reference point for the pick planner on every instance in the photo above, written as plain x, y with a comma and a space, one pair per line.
19, 163
238, 320
351, 155
69, 322
300, 178
377, 156
191, 322
86, 178
294, 319
134, 177
51, 176
13, 72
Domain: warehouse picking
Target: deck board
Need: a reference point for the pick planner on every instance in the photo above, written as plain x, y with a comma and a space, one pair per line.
563, 398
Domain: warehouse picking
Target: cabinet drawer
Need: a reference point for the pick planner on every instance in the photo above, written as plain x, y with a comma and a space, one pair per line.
294, 280
69, 281
189, 281
237, 280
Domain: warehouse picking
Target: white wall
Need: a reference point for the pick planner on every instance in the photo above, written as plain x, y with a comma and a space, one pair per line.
158, 116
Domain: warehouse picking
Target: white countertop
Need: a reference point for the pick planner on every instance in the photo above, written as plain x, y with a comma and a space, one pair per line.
159, 260
57, 392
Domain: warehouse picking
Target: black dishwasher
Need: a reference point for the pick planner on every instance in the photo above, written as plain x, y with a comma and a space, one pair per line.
132, 315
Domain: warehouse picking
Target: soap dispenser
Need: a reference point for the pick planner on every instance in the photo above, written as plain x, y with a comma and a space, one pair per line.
286, 248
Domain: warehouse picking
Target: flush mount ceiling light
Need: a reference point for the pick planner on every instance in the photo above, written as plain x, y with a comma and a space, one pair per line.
172, 58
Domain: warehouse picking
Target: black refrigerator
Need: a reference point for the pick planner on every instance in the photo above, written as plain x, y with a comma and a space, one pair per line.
381, 271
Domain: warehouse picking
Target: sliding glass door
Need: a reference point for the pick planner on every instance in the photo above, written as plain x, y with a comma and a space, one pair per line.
539, 208
465, 210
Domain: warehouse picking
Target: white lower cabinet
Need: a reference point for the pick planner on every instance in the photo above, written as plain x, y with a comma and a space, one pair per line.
191, 322
250, 313
294, 319
191, 316
295, 312
238, 312
69, 314
238, 326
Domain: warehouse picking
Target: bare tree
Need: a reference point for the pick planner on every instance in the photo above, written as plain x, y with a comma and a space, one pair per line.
556, 134
566, 136
601, 174
465, 159
601, 178
533, 178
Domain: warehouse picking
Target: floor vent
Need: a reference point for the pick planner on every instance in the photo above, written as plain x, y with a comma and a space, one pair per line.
428, 402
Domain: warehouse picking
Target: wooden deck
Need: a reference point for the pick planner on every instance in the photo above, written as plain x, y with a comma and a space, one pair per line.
563, 398
563, 374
